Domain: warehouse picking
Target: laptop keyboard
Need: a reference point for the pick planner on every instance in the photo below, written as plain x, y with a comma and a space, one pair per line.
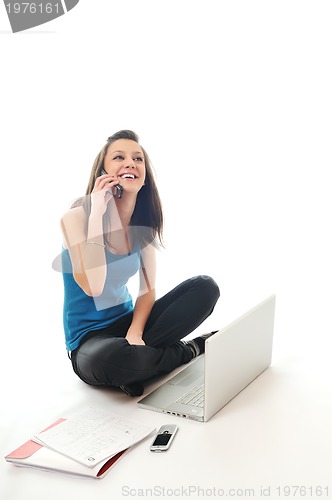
194, 397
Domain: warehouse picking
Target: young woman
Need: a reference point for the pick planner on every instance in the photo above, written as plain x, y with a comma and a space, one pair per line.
109, 235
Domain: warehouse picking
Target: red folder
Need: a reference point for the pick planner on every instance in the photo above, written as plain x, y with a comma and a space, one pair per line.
34, 455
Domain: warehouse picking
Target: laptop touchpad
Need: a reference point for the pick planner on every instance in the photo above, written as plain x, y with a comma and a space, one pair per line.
184, 379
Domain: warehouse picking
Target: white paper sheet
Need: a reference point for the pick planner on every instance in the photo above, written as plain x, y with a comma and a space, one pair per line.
93, 435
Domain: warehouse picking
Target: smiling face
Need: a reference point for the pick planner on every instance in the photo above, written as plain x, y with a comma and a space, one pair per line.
125, 159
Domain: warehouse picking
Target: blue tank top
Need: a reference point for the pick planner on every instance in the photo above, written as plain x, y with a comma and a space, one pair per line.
82, 313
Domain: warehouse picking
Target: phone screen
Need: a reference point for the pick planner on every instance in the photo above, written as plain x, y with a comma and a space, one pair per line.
162, 439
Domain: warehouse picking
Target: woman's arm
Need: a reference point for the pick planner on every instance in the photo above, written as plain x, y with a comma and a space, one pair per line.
146, 297
86, 250
86, 246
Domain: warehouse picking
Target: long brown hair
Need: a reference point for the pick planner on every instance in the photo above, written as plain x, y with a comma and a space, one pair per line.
147, 219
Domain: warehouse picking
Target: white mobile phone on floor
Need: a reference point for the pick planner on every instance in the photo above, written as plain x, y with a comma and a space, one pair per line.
164, 438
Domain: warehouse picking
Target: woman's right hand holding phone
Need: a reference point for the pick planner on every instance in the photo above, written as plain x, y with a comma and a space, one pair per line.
102, 192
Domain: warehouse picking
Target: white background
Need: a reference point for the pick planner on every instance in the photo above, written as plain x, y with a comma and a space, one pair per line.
232, 101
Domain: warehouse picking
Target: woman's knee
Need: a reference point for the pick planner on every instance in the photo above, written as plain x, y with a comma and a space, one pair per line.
208, 286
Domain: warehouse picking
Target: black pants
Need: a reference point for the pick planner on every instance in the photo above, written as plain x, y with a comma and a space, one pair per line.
105, 358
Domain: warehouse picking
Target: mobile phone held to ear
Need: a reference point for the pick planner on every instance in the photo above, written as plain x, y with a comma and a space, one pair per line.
164, 438
117, 191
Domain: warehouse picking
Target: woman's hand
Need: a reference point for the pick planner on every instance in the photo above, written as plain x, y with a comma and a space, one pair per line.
134, 338
102, 193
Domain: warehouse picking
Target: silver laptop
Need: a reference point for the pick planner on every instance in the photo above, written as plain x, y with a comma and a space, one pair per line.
233, 358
